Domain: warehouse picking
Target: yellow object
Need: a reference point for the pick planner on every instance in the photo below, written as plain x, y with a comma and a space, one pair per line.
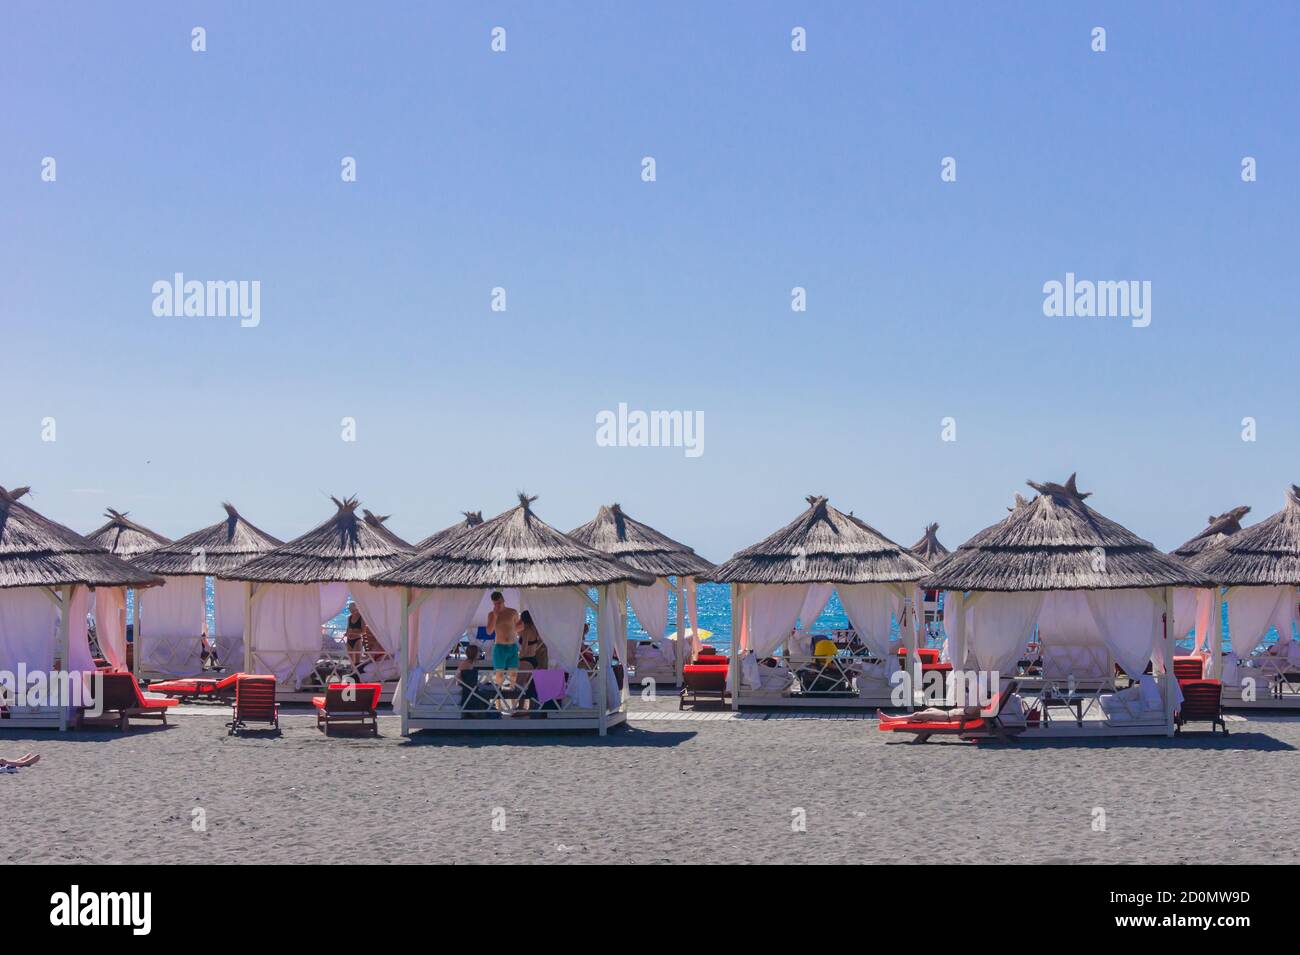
824, 650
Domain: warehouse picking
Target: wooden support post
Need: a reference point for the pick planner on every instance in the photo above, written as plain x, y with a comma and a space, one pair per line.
681, 651
61, 647
604, 646
248, 627
136, 654
1167, 658
403, 659
737, 595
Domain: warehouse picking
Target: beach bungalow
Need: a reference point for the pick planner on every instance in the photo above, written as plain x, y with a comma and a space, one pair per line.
47, 575
441, 591
124, 538
1260, 569
1099, 596
170, 623
779, 587
1197, 614
294, 589
674, 566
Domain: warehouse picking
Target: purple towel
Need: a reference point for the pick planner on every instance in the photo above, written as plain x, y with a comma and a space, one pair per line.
549, 684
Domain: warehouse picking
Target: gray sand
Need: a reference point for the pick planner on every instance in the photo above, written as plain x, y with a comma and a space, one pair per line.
657, 791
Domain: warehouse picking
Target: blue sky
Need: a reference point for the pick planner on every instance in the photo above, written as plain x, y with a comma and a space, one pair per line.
522, 170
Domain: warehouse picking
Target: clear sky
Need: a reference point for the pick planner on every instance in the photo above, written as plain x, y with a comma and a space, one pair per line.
523, 170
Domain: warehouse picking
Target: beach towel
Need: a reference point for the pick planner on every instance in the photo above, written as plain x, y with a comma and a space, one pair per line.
579, 691
549, 685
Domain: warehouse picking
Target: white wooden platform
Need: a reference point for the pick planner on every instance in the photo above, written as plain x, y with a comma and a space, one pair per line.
554, 722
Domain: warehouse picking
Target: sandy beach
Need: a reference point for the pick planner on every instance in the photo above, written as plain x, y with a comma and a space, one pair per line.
663, 789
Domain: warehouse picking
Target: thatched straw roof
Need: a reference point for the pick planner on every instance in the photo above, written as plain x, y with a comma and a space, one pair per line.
1216, 532
639, 545
345, 548
514, 549
125, 538
377, 522
224, 546
35, 551
928, 547
472, 519
1267, 553
822, 545
1056, 542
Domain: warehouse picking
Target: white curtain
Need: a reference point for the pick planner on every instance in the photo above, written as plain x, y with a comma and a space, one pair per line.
230, 597
171, 624
770, 612
692, 619
79, 656
287, 622
558, 613
381, 609
955, 616
333, 598
997, 630
1072, 644
1184, 613
608, 621
439, 622
28, 624
650, 604
110, 614
872, 609
1129, 623
1252, 611
814, 602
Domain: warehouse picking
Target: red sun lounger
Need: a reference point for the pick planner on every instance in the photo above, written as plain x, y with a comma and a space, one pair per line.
700, 681
1202, 702
980, 727
254, 702
348, 703
122, 697
197, 688
1189, 668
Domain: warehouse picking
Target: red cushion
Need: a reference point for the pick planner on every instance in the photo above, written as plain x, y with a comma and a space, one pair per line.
151, 704
318, 702
888, 725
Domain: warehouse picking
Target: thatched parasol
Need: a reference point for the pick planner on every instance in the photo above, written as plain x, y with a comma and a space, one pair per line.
514, 549
822, 546
1056, 542
37, 552
639, 545
218, 549
1262, 555
344, 549
125, 538
1216, 532
377, 522
928, 547
472, 519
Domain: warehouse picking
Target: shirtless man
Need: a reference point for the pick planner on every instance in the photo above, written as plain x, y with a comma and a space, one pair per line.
503, 623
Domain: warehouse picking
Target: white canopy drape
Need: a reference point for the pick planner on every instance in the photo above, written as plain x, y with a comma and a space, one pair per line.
650, 604
110, 615
439, 622
559, 613
287, 622
1253, 611
28, 623
229, 598
997, 630
769, 613
872, 608
171, 624
814, 602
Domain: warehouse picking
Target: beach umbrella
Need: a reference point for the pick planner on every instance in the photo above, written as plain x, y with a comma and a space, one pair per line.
928, 547
472, 519
125, 538
377, 521
1216, 532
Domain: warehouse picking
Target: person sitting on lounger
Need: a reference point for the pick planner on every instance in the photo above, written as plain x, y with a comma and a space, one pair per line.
13, 765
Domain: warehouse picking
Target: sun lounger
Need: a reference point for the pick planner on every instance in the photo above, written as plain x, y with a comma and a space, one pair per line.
122, 697
254, 702
1189, 668
197, 688
1202, 702
348, 703
980, 727
700, 681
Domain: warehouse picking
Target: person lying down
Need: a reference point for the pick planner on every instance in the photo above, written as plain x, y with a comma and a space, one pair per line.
13, 765
936, 714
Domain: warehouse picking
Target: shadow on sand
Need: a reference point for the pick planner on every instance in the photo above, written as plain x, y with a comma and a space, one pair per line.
1256, 742
620, 737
